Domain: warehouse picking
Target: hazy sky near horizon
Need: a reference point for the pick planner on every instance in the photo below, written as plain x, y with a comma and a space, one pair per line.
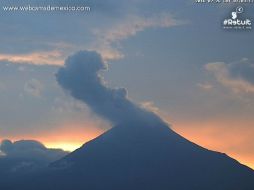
173, 57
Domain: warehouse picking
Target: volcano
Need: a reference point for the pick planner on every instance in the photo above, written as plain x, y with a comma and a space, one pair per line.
143, 157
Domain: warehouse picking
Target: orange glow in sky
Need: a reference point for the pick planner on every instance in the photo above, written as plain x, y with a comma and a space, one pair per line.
224, 136
68, 137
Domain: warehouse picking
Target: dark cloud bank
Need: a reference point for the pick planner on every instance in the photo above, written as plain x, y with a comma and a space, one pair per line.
81, 78
26, 155
30, 149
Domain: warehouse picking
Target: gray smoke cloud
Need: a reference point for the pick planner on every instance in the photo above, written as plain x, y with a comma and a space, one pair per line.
80, 76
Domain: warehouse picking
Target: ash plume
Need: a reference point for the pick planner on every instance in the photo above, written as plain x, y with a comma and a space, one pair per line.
80, 76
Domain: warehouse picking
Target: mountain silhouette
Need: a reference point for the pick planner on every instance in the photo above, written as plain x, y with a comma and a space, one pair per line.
140, 156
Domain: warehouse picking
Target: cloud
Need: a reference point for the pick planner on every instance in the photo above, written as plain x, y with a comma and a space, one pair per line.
81, 77
238, 76
243, 69
37, 58
108, 40
105, 27
104, 39
148, 105
34, 87
205, 86
30, 150
1, 153
26, 156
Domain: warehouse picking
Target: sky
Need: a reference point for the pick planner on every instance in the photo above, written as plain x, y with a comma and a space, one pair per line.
173, 57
